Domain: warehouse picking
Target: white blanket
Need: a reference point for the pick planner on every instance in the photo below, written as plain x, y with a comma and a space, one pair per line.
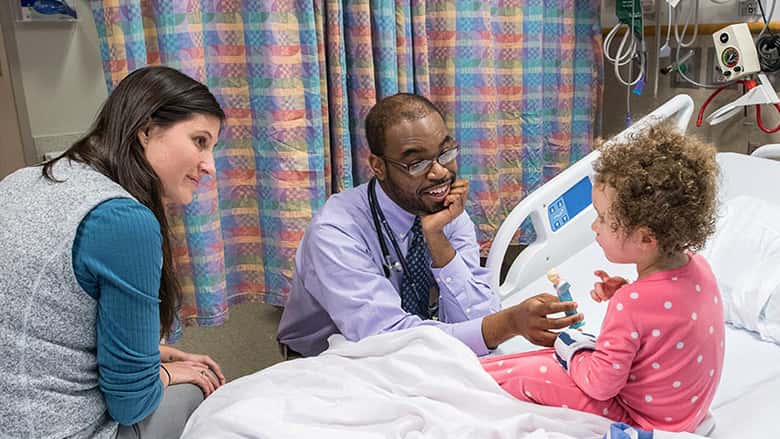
417, 383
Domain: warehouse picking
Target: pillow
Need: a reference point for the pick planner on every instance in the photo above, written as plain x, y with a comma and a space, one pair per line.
744, 254
769, 319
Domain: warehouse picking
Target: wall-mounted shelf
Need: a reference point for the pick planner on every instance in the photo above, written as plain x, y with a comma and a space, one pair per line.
45, 11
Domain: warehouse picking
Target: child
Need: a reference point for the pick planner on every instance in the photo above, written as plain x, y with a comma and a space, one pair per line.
658, 359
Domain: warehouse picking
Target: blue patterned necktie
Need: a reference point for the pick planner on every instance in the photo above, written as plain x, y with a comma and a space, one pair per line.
418, 281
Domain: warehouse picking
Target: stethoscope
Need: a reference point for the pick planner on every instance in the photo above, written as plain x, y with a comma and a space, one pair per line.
389, 264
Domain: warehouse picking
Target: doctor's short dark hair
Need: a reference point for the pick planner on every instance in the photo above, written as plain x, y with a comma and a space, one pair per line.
401, 107
665, 181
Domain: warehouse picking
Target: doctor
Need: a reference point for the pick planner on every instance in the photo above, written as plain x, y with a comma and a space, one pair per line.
400, 251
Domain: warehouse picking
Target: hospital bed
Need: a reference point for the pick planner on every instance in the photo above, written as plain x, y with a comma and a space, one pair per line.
422, 383
748, 398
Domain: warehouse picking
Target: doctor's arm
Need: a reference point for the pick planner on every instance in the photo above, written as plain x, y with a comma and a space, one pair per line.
464, 287
465, 292
343, 277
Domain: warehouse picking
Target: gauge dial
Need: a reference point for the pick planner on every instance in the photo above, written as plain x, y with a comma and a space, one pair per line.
730, 57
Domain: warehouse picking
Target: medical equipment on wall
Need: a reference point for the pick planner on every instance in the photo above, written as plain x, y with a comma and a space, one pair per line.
664, 51
692, 15
736, 51
738, 56
739, 59
631, 50
756, 93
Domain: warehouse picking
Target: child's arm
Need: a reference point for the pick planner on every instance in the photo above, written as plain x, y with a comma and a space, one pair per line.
603, 372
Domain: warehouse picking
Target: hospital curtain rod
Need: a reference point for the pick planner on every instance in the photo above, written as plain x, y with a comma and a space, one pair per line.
704, 29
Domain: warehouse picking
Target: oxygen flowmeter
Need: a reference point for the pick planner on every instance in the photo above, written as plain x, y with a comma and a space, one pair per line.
736, 51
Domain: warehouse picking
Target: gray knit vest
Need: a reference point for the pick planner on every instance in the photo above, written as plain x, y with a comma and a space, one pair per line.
48, 364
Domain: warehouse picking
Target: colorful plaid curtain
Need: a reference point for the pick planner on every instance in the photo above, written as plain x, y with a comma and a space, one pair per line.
519, 81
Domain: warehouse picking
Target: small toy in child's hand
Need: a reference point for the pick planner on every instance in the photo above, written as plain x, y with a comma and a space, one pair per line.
562, 290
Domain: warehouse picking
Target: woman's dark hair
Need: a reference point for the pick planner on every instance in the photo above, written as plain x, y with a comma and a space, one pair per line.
146, 98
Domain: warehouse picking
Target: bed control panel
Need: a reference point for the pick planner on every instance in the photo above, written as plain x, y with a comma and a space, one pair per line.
570, 204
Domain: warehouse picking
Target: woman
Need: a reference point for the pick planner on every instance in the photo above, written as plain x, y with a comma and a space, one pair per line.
88, 286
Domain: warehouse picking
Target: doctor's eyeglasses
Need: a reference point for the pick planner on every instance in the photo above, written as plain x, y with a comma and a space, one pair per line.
420, 167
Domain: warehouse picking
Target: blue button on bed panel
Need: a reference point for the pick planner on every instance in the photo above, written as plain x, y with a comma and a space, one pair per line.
570, 204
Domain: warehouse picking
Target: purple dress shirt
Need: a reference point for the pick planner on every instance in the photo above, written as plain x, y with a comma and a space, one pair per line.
339, 286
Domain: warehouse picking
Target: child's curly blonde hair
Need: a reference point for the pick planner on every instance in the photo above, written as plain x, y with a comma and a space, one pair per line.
665, 181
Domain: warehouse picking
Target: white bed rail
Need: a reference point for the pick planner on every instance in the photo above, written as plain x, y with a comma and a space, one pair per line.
545, 252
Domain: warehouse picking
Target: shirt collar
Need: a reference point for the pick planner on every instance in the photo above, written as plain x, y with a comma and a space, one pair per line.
399, 219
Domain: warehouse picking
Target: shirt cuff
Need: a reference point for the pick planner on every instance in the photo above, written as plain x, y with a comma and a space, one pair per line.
470, 333
453, 276
569, 343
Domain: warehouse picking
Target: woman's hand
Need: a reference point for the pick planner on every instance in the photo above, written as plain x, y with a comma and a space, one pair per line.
169, 354
604, 290
193, 372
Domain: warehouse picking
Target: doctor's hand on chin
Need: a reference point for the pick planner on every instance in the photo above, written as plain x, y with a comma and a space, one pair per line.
453, 205
529, 319
433, 224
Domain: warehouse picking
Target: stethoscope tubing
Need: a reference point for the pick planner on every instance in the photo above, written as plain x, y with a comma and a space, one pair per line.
378, 217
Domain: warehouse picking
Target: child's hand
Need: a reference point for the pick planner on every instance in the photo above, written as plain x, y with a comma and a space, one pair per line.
604, 290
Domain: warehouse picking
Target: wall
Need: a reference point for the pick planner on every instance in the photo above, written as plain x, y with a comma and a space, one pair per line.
709, 12
62, 77
11, 146
739, 134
